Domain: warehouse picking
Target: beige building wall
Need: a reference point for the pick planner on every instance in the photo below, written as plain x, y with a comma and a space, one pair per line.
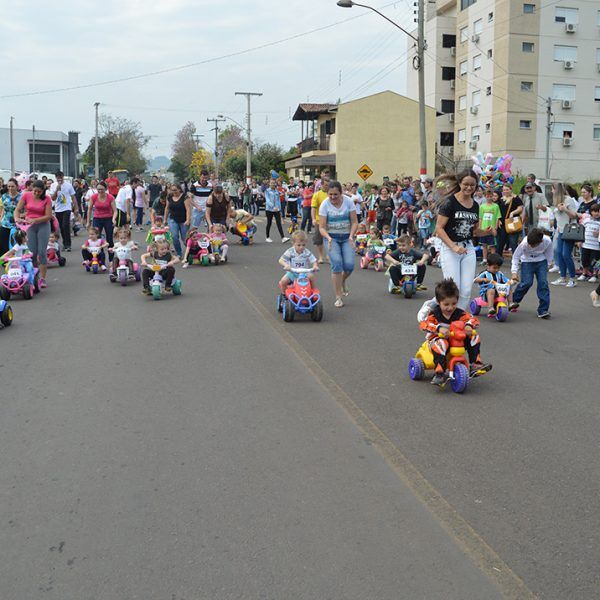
382, 131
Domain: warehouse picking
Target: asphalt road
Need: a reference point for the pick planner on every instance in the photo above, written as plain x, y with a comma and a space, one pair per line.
199, 448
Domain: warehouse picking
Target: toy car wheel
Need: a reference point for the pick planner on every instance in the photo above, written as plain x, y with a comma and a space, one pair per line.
279, 302
4, 293
95, 269
156, 292
502, 314
205, 261
474, 307
409, 290
6, 316
62, 261
27, 292
137, 274
416, 369
461, 378
245, 241
122, 277
87, 268
177, 287
289, 312
190, 260
317, 313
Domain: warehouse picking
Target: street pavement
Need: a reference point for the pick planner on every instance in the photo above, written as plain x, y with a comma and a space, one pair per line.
198, 447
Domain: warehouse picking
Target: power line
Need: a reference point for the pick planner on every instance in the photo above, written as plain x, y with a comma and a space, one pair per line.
189, 65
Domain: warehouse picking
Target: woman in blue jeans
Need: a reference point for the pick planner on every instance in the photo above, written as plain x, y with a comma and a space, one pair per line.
178, 214
337, 224
565, 211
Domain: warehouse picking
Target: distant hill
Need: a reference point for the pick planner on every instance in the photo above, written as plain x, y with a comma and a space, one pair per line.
158, 162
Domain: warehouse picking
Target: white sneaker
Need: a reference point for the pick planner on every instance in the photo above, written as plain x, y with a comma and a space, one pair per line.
582, 278
571, 283
269, 241
559, 281
285, 239
553, 269
595, 299
593, 279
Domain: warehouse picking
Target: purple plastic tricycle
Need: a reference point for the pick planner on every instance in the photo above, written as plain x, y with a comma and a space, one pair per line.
21, 278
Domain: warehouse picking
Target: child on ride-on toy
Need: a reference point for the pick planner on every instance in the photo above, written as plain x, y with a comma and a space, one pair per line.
406, 255
389, 239
160, 255
437, 327
124, 240
18, 250
487, 280
243, 217
361, 239
53, 249
219, 242
92, 243
158, 232
296, 257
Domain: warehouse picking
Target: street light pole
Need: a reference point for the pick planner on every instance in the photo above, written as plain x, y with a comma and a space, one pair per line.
249, 134
33, 148
12, 148
96, 156
216, 130
421, 47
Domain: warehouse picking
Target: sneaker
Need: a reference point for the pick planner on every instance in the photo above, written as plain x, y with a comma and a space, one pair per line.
479, 369
168, 288
339, 303
559, 281
146, 291
285, 239
67, 249
42, 283
439, 379
582, 278
421, 287
595, 299
513, 307
269, 241
592, 279
396, 290
103, 268
491, 312
553, 269
141, 229
185, 265
544, 315
571, 283
483, 263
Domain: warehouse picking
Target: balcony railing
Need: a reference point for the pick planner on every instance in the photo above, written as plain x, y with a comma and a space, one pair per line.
310, 144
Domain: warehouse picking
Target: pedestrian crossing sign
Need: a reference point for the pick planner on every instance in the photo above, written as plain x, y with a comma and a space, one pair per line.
365, 172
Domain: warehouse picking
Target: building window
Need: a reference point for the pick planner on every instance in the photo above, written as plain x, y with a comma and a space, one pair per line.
462, 136
447, 138
490, 17
464, 34
462, 103
489, 53
466, 3
566, 15
448, 73
597, 132
562, 53
488, 126
528, 9
448, 40
528, 46
488, 90
463, 67
475, 133
562, 130
477, 62
526, 86
476, 98
597, 94
524, 124
47, 157
478, 27
561, 91
447, 106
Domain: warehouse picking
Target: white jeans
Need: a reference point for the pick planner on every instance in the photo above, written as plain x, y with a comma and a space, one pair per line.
461, 268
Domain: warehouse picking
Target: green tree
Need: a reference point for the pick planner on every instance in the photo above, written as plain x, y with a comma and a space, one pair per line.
178, 169
267, 157
233, 165
120, 145
185, 144
231, 139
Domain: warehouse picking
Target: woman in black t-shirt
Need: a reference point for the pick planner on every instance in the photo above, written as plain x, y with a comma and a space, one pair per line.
511, 206
178, 214
457, 224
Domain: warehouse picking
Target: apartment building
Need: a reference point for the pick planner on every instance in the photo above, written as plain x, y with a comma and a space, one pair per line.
510, 57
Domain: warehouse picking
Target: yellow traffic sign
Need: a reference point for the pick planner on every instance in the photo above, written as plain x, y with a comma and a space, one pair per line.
365, 172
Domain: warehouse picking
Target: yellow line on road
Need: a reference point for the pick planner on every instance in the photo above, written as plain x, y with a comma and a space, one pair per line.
511, 586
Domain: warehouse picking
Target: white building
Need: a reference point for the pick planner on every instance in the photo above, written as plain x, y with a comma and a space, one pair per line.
51, 151
510, 57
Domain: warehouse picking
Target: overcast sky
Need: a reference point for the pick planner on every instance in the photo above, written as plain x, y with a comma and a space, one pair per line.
49, 45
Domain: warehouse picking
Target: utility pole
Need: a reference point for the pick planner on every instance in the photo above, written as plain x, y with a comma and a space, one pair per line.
249, 134
33, 148
216, 121
421, 46
549, 116
12, 148
96, 155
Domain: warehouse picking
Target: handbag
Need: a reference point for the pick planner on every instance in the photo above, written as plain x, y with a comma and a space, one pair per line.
514, 224
573, 232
